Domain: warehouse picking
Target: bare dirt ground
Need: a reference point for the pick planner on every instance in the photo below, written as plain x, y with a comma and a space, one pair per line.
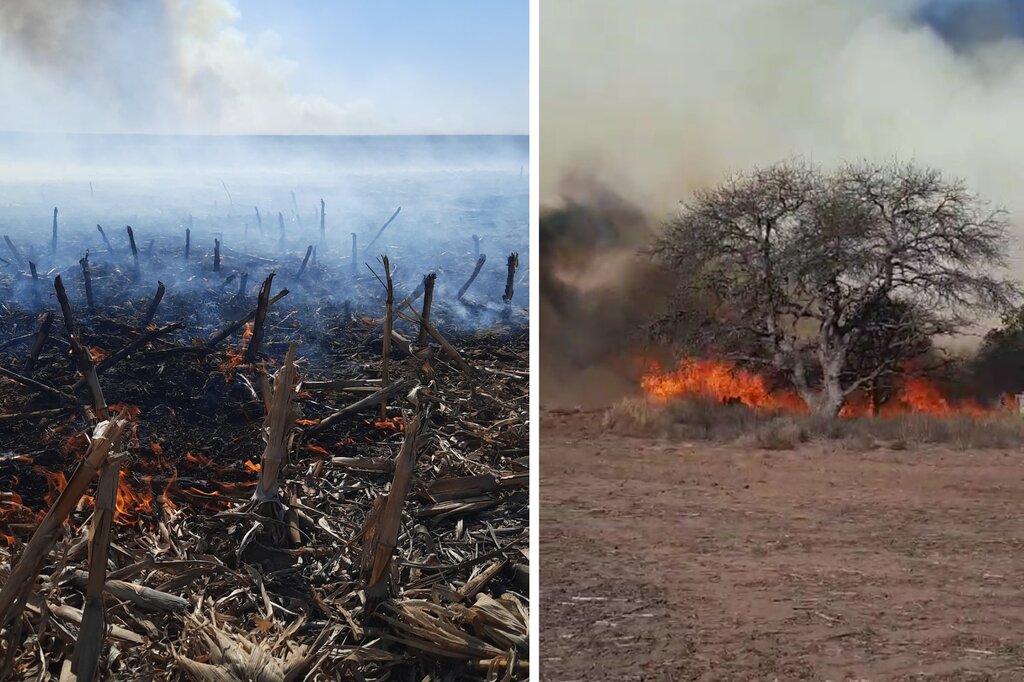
691, 561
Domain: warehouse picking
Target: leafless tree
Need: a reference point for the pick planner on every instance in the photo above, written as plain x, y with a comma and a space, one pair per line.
805, 271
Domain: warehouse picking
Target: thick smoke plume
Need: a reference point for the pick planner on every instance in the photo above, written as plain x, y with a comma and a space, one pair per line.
153, 66
656, 99
659, 98
595, 294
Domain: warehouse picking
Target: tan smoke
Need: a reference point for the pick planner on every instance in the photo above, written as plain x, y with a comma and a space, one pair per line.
153, 66
657, 98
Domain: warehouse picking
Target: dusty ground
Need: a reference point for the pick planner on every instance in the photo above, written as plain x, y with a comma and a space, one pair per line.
685, 561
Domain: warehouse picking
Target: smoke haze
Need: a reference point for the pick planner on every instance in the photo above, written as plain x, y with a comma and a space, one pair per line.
657, 99
171, 115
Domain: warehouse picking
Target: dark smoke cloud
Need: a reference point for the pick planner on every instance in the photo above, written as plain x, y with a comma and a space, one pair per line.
596, 293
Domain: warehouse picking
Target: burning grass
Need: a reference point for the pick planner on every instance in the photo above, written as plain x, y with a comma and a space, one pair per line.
704, 418
723, 381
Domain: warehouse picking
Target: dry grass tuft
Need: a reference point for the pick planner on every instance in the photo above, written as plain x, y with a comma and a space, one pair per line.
782, 433
964, 432
689, 418
696, 418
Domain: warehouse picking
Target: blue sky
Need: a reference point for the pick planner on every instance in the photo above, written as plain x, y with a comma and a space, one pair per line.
455, 66
967, 23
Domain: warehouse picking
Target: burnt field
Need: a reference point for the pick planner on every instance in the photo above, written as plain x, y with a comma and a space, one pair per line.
829, 560
275, 442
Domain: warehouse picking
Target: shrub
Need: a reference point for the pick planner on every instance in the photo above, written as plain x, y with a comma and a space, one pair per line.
782, 433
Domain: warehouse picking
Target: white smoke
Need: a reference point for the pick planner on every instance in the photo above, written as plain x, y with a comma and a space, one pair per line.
657, 98
154, 66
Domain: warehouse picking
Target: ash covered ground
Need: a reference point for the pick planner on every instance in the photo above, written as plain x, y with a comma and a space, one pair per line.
196, 408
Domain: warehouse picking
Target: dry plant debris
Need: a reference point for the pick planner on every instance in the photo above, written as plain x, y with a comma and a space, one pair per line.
383, 533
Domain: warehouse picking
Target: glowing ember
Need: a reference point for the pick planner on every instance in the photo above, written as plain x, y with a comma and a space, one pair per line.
98, 354
249, 466
75, 445
393, 424
724, 382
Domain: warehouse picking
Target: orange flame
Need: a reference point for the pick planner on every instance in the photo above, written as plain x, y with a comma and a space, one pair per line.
249, 466
165, 496
131, 504
718, 380
210, 500
235, 356
725, 382
198, 459
235, 488
158, 454
126, 410
56, 481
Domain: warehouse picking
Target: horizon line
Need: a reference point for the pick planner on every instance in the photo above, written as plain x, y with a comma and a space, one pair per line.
217, 134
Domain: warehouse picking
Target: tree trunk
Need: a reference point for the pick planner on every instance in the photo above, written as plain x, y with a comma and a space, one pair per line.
829, 399
826, 402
